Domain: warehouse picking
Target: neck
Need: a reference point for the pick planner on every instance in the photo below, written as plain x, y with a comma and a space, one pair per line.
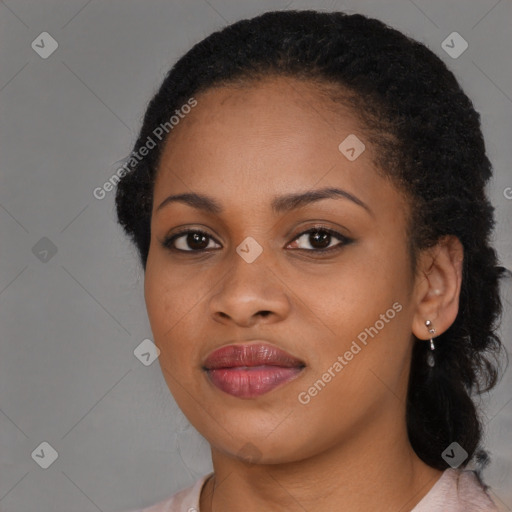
375, 471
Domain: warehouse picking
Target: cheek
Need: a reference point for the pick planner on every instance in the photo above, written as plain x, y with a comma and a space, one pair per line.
171, 299
354, 292
168, 294
360, 310
170, 305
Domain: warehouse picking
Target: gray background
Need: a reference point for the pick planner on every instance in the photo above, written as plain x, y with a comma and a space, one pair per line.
70, 324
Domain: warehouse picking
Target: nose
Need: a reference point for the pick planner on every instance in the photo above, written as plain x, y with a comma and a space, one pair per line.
249, 293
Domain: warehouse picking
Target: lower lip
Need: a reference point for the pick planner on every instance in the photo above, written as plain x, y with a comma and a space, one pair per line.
250, 382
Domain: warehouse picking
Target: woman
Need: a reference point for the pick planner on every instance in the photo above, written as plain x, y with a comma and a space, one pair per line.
307, 199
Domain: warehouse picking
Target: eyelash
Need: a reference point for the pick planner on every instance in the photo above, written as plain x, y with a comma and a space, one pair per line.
167, 243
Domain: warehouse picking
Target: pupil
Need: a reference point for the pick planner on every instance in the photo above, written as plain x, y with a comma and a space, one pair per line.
194, 241
322, 238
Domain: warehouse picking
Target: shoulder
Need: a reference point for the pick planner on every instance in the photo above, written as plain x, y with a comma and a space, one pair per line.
457, 491
186, 500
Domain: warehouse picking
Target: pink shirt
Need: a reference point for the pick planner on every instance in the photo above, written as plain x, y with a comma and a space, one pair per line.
455, 491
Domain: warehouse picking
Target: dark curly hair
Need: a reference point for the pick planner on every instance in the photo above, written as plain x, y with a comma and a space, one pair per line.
429, 142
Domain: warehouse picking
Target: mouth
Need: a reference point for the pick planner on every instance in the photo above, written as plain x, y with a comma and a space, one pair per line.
248, 371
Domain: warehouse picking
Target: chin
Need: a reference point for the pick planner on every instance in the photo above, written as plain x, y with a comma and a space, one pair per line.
254, 448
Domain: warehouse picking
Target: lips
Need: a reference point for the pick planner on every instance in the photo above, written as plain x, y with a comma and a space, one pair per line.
256, 354
250, 370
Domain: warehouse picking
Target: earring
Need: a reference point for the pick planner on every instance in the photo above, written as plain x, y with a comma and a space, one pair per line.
430, 356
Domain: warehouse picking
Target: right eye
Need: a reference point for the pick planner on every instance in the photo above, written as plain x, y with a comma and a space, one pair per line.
195, 239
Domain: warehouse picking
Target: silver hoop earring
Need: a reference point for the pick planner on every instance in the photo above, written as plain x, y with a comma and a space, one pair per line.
430, 356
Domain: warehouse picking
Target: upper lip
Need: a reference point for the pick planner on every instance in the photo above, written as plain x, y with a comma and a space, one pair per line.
254, 354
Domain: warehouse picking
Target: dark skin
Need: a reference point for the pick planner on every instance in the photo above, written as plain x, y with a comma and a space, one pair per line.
349, 443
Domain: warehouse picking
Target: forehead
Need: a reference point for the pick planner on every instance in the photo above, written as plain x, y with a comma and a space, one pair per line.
277, 134
266, 111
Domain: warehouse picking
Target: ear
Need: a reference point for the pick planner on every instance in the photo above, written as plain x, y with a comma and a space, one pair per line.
437, 286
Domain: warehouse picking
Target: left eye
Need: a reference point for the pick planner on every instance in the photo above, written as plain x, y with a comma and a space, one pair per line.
321, 238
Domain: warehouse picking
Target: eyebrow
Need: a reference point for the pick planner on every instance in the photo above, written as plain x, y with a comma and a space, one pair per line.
279, 204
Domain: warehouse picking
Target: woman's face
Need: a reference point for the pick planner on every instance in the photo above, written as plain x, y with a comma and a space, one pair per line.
259, 276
